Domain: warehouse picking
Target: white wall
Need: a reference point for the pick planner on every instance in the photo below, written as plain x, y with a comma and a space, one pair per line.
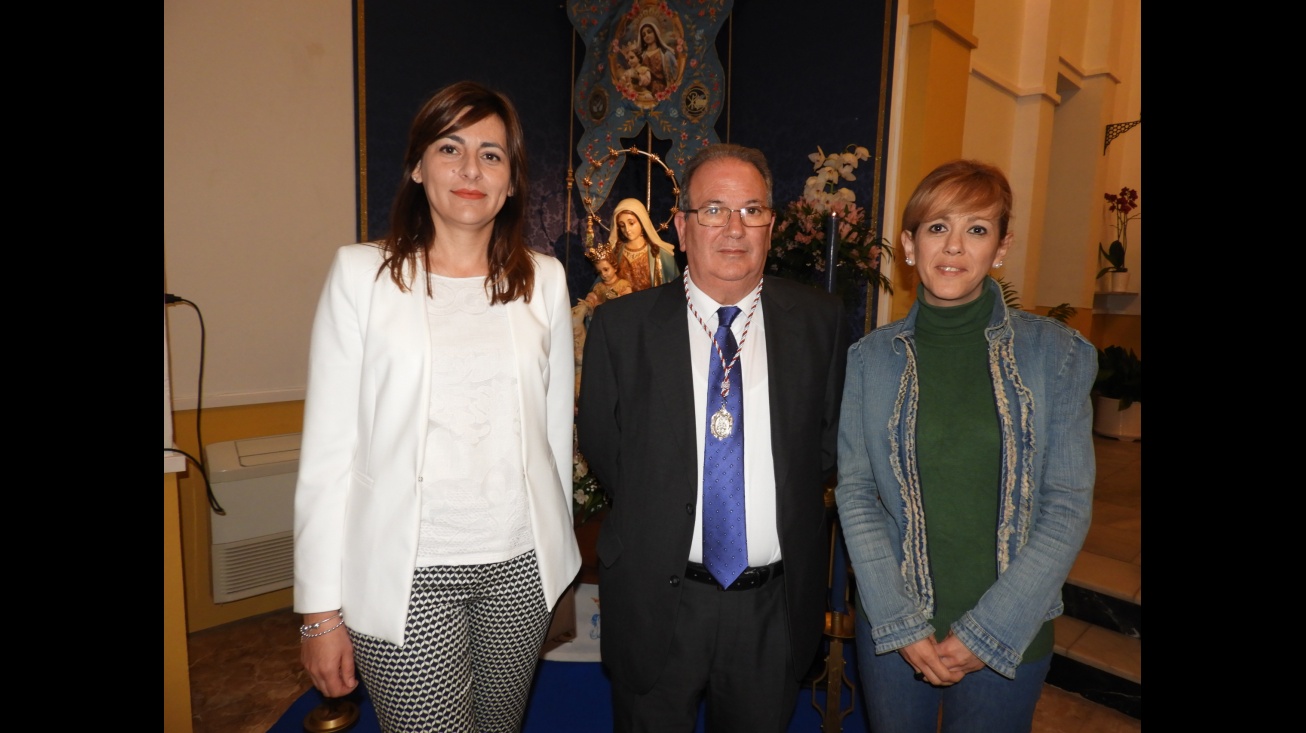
258, 184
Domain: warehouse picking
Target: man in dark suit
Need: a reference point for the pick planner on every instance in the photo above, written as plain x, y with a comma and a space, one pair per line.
715, 554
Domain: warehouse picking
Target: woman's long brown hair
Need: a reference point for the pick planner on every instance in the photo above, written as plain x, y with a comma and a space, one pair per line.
512, 272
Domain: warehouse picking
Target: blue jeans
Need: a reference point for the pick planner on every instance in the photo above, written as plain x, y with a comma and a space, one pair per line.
983, 702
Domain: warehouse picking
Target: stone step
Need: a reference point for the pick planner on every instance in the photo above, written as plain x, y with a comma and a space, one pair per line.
1099, 664
1098, 646
1098, 641
1108, 576
1104, 610
1105, 592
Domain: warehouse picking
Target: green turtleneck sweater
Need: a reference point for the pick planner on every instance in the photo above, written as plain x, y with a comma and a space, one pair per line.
959, 452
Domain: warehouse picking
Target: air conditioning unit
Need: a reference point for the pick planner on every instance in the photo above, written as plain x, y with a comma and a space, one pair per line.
253, 545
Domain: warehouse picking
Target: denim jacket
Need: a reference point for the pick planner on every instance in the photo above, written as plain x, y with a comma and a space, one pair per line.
1042, 372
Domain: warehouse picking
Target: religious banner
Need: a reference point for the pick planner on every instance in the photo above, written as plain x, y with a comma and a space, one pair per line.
647, 62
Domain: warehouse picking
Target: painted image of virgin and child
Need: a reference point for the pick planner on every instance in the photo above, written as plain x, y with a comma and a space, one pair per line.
648, 63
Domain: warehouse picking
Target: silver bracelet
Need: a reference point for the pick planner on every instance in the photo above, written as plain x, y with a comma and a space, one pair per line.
323, 633
306, 628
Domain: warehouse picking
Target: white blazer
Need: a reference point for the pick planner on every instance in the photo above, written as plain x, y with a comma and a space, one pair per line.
358, 494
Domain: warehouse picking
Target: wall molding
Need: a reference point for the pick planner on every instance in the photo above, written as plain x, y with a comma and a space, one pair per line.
948, 27
1011, 88
234, 399
1077, 76
1065, 69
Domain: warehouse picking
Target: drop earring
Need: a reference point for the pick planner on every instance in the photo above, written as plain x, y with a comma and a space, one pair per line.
910, 262
997, 265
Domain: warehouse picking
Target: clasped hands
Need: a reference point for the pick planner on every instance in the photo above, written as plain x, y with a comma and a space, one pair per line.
941, 663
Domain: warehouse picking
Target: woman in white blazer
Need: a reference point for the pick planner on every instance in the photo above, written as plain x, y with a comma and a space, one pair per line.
433, 525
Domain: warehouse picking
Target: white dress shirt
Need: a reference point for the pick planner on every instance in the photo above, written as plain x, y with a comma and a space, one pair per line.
759, 469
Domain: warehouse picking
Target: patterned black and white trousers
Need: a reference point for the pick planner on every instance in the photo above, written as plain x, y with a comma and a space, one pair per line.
471, 644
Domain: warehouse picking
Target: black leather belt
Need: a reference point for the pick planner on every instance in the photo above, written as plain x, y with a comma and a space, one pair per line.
750, 578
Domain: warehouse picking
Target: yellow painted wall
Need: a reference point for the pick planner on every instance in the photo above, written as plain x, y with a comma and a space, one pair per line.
222, 424
938, 72
983, 79
1082, 321
176, 660
1111, 329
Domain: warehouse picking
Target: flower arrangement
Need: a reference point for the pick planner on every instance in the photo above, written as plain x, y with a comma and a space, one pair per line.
586, 494
1120, 204
798, 240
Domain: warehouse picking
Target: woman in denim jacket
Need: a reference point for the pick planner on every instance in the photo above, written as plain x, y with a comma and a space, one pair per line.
966, 475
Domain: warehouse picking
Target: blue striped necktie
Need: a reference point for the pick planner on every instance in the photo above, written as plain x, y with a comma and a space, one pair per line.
725, 538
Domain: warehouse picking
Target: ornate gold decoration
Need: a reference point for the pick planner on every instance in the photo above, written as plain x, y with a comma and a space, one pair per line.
601, 251
587, 182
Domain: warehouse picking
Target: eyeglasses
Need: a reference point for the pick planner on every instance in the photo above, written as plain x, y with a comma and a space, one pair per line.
719, 216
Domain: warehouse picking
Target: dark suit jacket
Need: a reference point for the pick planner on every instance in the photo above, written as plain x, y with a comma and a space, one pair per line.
637, 430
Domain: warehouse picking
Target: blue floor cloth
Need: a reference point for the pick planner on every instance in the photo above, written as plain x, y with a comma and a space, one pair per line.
574, 697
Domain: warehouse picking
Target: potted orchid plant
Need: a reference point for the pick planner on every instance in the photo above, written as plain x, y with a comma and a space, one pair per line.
1122, 205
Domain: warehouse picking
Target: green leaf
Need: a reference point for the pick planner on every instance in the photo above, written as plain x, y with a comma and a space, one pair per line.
1009, 294
1115, 255
1062, 312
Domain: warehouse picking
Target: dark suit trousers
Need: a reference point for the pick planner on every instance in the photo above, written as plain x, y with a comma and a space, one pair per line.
733, 648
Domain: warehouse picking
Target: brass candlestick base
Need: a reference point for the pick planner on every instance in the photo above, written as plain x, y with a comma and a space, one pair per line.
838, 628
334, 714
839, 625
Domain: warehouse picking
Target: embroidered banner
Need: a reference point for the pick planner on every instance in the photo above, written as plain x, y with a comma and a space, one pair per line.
647, 62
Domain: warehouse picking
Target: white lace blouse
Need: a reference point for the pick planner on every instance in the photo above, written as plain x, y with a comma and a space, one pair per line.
474, 505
